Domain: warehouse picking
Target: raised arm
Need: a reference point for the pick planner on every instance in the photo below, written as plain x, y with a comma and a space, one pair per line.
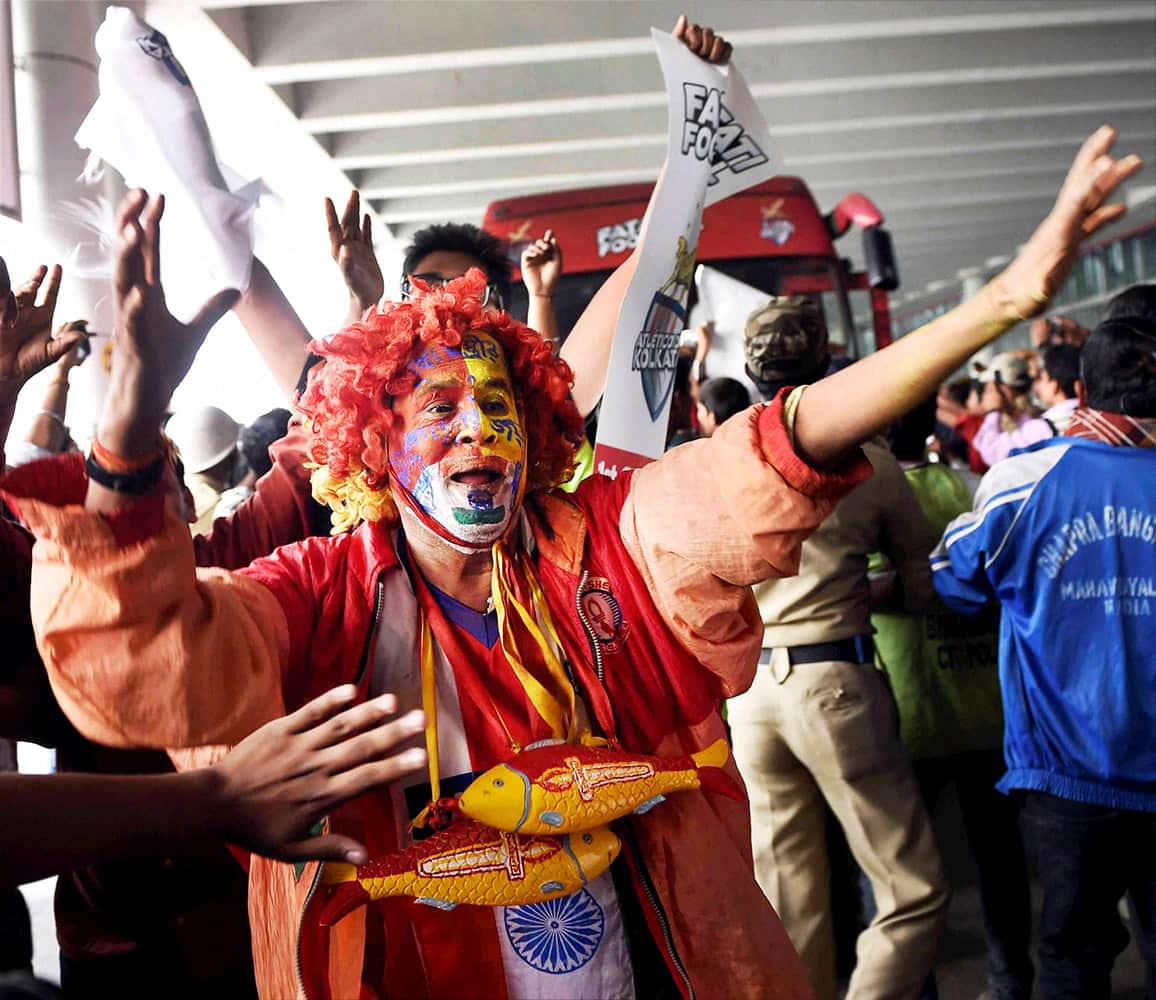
837, 413
264, 796
49, 431
587, 348
351, 244
139, 649
541, 269
154, 350
274, 328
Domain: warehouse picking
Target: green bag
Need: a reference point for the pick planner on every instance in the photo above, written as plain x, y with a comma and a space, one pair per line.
943, 667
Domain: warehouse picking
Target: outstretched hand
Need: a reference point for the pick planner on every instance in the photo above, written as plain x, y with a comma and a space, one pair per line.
840, 411
542, 266
351, 244
276, 784
702, 41
1042, 266
154, 350
27, 344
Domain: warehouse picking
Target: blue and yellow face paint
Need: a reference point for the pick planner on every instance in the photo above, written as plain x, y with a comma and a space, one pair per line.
457, 445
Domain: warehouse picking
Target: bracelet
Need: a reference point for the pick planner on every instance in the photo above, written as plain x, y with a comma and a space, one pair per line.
135, 483
53, 415
115, 463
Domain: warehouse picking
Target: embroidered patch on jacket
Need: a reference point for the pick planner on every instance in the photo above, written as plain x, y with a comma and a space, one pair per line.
558, 935
604, 615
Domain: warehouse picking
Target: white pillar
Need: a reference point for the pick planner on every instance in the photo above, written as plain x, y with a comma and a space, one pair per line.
56, 85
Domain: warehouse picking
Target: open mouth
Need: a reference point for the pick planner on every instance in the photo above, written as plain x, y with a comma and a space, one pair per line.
476, 471
477, 477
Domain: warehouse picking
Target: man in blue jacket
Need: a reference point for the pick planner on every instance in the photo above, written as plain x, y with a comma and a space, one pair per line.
1063, 534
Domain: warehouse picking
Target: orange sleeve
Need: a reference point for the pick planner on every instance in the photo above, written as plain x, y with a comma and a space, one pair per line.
142, 649
714, 516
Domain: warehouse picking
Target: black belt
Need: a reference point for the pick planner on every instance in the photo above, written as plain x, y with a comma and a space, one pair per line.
857, 649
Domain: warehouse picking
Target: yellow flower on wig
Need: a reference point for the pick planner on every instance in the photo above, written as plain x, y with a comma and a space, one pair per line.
351, 498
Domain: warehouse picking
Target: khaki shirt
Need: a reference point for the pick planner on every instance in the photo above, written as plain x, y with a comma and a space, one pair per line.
829, 599
205, 498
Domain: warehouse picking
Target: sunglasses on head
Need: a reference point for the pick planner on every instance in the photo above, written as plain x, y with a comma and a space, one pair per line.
491, 296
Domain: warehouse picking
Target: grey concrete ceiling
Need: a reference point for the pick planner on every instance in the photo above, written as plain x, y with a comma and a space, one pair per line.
958, 118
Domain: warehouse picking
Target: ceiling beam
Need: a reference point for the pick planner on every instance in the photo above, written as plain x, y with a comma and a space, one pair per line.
301, 45
839, 169
452, 98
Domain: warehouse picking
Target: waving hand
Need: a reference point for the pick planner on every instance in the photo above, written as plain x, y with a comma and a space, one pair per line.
153, 350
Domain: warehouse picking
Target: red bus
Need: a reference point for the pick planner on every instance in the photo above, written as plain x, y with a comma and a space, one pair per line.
771, 237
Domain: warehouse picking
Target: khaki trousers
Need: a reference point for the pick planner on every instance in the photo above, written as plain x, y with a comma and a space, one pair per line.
829, 731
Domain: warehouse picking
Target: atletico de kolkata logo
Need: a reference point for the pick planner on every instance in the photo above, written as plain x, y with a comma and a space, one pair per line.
656, 346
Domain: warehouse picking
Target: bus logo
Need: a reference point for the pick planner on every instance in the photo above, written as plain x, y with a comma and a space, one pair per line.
776, 227
619, 237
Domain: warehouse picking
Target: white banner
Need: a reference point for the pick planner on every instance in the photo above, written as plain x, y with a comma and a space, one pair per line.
727, 302
717, 144
148, 125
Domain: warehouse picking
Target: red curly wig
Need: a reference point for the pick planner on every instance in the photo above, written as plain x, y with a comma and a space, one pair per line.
347, 401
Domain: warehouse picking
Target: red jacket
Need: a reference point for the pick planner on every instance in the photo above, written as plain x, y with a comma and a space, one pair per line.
679, 543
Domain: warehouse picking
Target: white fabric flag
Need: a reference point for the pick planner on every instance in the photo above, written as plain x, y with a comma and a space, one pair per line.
727, 302
716, 145
148, 125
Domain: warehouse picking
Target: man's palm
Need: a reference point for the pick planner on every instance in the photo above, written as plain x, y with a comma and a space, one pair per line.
1041, 268
351, 244
153, 349
26, 342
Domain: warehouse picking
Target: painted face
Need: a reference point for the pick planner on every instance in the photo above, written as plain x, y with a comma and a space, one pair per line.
457, 444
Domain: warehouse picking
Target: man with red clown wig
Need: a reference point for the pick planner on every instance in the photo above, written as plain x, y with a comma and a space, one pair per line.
466, 585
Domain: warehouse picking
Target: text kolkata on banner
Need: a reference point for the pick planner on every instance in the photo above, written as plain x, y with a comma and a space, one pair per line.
717, 144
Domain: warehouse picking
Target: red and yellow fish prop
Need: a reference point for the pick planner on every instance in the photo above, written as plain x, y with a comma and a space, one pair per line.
472, 863
556, 788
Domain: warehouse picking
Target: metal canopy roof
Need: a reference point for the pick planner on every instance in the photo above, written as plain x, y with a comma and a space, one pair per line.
958, 118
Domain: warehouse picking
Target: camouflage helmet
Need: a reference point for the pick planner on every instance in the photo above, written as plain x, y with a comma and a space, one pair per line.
786, 340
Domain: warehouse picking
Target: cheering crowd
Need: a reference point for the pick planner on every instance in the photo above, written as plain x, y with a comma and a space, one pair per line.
267, 659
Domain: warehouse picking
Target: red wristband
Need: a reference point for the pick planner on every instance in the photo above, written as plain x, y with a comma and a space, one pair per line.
117, 463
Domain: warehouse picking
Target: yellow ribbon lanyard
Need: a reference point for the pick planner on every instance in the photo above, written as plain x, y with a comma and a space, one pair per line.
556, 708
429, 704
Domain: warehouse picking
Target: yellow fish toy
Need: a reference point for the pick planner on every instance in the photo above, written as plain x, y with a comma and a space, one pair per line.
553, 787
469, 862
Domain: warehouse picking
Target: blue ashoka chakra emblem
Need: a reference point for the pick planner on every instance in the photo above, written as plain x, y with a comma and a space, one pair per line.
559, 935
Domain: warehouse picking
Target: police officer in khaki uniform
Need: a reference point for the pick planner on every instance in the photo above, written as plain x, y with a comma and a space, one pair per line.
819, 726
